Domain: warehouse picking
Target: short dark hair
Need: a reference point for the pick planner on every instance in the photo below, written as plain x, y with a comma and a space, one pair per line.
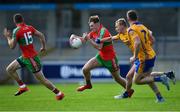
132, 14
94, 19
121, 21
18, 18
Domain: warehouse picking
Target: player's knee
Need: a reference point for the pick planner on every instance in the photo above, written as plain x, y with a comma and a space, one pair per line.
136, 81
128, 77
9, 69
85, 70
116, 79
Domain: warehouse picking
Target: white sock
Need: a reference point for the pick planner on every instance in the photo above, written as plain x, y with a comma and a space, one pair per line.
58, 94
22, 86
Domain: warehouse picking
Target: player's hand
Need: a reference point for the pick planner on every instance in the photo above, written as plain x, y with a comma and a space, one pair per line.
43, 50
85, 36
7, 33
132, 59
72, 37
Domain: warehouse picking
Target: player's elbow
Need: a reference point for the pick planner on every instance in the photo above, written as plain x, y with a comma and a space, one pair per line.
137, 43
99, 47
96, 47
41, 35
153, 41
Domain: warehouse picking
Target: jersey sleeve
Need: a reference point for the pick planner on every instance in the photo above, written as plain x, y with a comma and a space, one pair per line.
150, 32
133, 33
32, 29
90, 35
102, 33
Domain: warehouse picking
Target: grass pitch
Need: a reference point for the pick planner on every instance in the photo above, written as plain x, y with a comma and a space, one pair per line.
100, 98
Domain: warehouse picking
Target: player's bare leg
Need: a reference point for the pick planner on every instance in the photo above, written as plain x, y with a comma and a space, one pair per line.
157, 76
155, 89
128, 93
145, 78
157, 73
119, 79
40, 77
91, 64
150, 78
129, 78
11, 69
154, 76
170, 75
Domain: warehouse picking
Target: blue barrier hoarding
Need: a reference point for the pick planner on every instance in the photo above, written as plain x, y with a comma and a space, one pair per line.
8, 7
73, 70
126, 5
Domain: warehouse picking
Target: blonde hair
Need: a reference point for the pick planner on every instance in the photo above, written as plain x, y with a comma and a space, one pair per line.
121, 21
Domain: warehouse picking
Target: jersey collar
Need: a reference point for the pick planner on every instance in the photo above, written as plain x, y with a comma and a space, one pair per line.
100, 27
137, 23
20, 24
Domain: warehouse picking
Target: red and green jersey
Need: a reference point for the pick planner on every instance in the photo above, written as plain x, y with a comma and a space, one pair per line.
23, 35
107, 52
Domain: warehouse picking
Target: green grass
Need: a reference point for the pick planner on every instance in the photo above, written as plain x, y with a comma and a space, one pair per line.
100, 98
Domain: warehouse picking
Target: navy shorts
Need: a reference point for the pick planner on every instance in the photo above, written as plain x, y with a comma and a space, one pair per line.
142, 67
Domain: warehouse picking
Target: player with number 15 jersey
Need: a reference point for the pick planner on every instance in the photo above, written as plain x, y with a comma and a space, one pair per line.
23, 35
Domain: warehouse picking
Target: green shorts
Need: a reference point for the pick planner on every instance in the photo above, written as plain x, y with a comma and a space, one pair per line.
32, 64
111, 65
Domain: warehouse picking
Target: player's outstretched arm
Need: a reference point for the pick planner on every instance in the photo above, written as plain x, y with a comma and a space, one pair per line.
94, 44
42, 39
108, 39
137, 43
152, 38
11, 41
